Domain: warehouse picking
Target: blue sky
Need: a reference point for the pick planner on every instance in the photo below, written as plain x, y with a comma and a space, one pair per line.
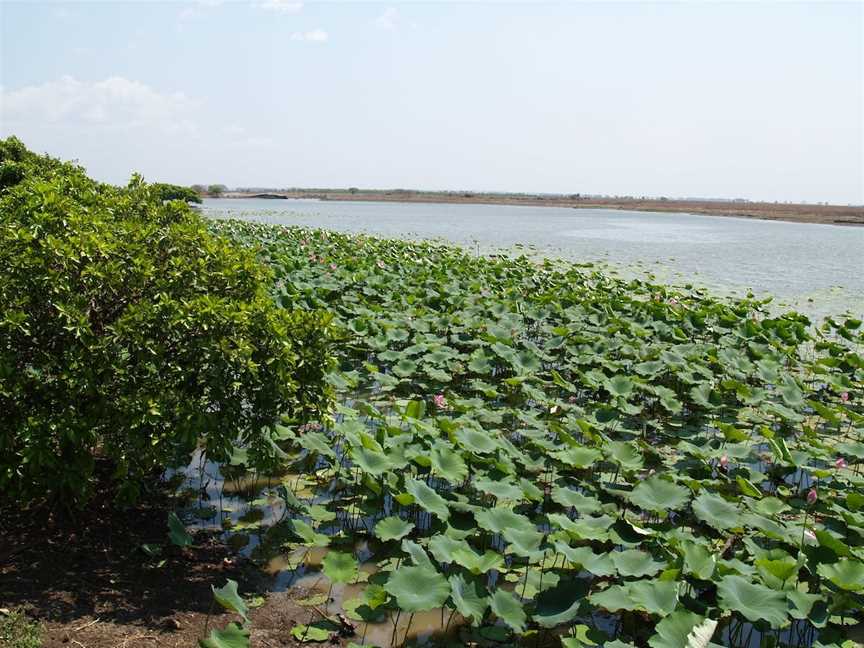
747, 99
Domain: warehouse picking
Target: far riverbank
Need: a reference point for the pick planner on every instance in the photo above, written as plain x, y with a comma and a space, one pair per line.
792, 213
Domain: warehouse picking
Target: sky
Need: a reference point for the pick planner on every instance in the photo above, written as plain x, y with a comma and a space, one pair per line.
728, 99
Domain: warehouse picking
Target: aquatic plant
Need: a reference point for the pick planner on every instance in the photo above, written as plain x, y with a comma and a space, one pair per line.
556, 455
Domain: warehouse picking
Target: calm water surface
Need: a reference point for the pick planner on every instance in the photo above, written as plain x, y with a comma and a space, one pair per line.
818, 269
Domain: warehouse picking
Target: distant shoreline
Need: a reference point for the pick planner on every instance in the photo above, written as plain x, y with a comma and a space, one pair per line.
792, 213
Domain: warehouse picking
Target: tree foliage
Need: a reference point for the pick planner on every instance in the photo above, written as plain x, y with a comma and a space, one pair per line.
130, 332
176, 192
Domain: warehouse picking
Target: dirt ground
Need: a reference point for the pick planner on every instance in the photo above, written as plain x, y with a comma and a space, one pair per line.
90, 585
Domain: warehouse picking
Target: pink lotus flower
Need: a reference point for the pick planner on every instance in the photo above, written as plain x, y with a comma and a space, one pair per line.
812, 496
724, 461
844, 397
809, 535
380, 264
672, 301
840, 463
332, 266
440, 401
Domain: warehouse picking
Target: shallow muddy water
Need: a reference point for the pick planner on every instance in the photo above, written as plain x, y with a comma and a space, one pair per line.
817, 269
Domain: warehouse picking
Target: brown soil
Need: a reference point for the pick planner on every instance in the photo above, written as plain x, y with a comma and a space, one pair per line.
91, 586
795, 213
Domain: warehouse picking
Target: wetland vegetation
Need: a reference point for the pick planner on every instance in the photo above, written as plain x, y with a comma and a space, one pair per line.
506, 451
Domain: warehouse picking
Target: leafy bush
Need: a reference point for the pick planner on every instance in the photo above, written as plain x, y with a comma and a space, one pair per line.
176, 192
17, 631
128, 331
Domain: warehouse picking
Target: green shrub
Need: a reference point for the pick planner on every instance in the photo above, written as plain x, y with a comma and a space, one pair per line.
128, 331
176, 192
17, 631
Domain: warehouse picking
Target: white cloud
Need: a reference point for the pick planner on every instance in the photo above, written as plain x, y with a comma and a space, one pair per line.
387, 20
115, 102
314, 36
283, 6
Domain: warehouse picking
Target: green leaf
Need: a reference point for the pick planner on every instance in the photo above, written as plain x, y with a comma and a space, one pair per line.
716, 511
659, 495
753, 602
468, 598
310, 633
340, 567
636, 563
573, 499
560, 604
417, 589
310, 537
509, 609
652, 596
624, 453
177, 532
846, 574
393, 528
683, 629
233, 636
449, 464
229, 598
698, 560
498, 519
428, 499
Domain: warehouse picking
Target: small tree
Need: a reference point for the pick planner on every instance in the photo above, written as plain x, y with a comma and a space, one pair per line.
176, 192
131, 333
216, 190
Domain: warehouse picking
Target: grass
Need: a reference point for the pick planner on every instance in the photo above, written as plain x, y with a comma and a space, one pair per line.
17, 631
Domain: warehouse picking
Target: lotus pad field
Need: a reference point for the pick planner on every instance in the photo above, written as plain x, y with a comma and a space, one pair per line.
551, 455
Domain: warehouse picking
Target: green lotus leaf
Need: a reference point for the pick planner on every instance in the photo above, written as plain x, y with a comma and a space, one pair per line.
500, 489
498, 519
560, 604
620, 386
177, 531
659, 495
716, 511
405, 368
374, 463
652, 596
428, 499
468, 598
846, 573
585, 528
340, 567
523, 542
417, 554
314, 633
683, 629
309, 536
229, 598
808, 606
578, 457
754, 602
232, 636
597, 564
699, 560
573, 499
417, 589
477, 441
624, 453
449, 464
633, 562
393, 528
317, 442
509, 609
